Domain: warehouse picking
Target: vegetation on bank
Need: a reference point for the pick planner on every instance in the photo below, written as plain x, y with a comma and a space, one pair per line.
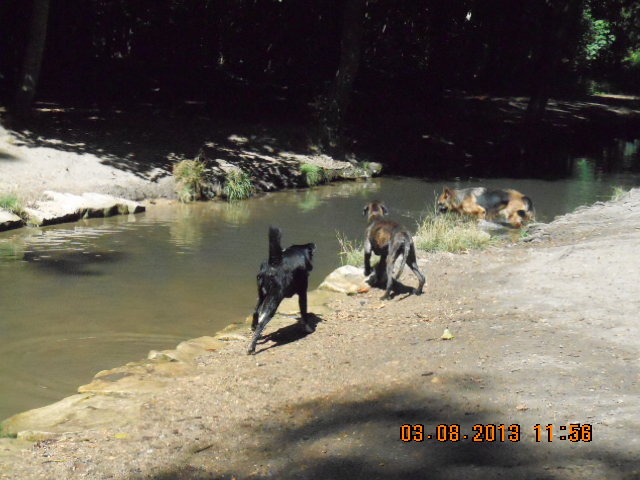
315, 175
618, 193
11, 203
450, 233
351, 251
190, 180
238, 185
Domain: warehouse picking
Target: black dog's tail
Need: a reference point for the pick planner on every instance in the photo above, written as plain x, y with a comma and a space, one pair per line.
406, 245
275, 249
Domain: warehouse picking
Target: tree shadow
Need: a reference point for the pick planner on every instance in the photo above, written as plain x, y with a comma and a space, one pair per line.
357, 435
7, 156
147, 139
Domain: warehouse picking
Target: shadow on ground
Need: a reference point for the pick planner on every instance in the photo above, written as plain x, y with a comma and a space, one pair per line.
147, 139
360, 438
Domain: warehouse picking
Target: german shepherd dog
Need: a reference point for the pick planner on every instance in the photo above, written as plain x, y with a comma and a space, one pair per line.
505, 206
390, 240
283, 275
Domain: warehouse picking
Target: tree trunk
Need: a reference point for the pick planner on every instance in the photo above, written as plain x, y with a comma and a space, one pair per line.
563, 19
32, 58
350, 53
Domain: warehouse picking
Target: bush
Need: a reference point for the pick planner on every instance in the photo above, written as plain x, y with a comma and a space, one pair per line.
238, 185
190, 178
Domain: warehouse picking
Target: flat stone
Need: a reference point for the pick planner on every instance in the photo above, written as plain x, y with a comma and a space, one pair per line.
317, 301
76, 413
126, 384
346, 279
8, 220
58, 207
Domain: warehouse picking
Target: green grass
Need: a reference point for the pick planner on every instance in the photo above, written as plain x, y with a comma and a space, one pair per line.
450, 233
238, 185
11, 203
351, 252
313, 174
190, 179
618, 193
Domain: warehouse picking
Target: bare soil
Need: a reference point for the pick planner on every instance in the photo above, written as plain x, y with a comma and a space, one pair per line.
545, 333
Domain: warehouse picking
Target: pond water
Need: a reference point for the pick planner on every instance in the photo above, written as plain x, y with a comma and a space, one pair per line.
82, 297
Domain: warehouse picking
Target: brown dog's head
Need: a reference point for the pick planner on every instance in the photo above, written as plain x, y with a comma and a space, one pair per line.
374, 209
446, 201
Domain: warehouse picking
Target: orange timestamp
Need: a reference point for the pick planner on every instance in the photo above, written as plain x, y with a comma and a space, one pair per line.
490, 433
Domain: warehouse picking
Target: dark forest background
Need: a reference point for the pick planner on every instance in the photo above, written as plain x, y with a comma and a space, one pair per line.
359, 74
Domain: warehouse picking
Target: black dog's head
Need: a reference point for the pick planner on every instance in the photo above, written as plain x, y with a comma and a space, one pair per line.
282, 274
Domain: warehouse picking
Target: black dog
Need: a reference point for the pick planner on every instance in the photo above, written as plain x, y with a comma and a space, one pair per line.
285, 274
388, 239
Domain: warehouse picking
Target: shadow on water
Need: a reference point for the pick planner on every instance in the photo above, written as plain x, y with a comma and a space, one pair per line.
72, 263
359, 438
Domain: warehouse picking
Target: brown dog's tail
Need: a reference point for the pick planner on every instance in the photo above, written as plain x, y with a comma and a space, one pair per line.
406, 245
275, 249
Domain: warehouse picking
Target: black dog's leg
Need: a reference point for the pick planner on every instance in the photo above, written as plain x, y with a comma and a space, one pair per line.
256, 336
302, 301
413, 265
254, 323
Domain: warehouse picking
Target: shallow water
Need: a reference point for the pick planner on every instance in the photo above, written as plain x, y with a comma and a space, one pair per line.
82, 297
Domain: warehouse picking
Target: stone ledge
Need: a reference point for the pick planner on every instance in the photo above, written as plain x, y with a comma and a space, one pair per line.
56, 207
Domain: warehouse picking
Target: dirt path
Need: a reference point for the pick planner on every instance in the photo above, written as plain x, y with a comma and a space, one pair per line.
545, 333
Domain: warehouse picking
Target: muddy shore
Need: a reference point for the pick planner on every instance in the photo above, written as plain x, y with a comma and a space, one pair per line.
545, 333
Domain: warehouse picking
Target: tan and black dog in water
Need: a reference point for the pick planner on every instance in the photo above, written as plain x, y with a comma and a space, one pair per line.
389, 240
507, 206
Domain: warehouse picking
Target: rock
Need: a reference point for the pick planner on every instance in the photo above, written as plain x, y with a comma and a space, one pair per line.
58, 207
11, 447
8, 220
36, 436
317, 301
76, 413
346, 279
127, 384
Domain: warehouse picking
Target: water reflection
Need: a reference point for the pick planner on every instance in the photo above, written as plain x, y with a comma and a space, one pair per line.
72, 263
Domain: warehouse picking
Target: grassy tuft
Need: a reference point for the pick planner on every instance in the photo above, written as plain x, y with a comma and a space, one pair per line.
238, 185
351, 252
190, 178
618, 193
11, 203
313, 174
450, 233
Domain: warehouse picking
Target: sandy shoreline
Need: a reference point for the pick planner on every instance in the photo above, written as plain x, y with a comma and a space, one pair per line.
545, 333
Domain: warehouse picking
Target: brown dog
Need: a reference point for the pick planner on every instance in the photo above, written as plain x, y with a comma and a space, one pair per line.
505, 206
389, 240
